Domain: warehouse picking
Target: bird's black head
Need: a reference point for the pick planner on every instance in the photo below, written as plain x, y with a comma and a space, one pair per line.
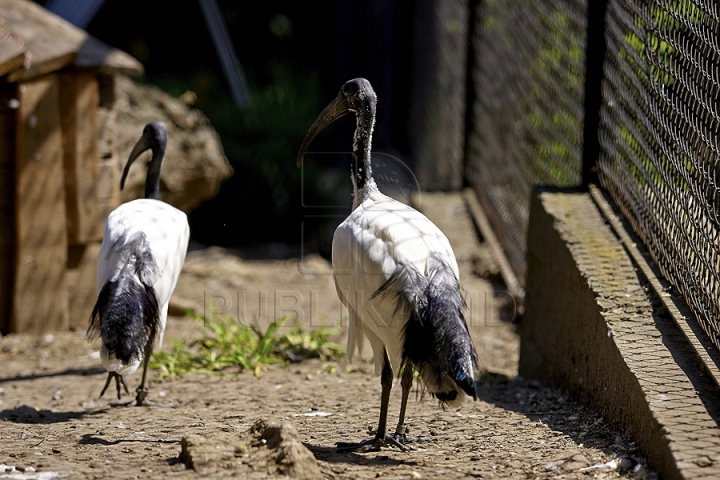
357, 96
154, 138
156, 134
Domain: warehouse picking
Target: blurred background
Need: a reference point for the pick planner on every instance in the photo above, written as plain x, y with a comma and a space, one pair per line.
294, 57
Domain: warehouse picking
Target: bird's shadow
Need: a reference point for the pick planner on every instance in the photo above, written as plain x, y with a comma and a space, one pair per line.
70, 371
31, 415
330, 454
91, 439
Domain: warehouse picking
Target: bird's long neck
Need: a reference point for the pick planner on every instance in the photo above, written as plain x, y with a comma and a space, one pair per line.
152, 181
363, 181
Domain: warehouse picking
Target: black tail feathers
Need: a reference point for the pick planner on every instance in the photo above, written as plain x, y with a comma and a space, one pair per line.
437, 340
127, 315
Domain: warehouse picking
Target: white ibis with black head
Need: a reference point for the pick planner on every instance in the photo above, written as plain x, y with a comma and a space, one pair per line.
142, 254
396, 273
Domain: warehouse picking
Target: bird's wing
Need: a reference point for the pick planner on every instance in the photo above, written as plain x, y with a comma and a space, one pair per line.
368, 248
166, 231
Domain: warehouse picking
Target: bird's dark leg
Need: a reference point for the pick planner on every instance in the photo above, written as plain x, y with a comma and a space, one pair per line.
381, 437
142, 391
107, 383
402, 429
406, 384
118, 380
386, 380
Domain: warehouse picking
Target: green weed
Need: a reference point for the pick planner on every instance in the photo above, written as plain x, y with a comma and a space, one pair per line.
226, 344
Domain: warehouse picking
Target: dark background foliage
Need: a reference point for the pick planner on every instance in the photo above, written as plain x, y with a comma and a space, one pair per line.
295, 56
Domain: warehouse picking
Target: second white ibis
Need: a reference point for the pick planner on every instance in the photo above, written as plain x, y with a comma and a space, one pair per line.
396, 273
142, 254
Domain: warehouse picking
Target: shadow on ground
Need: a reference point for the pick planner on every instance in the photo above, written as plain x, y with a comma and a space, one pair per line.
70, 371
329, 454
90, 439
538, 402
30, 415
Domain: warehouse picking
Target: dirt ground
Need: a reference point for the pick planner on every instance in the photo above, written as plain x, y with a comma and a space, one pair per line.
53, 425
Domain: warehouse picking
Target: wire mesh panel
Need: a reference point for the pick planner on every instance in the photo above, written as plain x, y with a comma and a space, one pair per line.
659, 135
437, 104
527, 120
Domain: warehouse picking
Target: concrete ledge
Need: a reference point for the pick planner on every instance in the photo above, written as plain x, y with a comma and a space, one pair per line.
592, 327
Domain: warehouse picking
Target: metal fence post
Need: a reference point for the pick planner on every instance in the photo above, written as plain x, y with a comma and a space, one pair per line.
594, 59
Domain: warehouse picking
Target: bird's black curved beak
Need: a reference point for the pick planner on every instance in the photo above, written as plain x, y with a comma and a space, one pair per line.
337, 108
143, 144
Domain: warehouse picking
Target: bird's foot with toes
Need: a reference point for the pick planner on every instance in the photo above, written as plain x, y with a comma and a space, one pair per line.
399, 439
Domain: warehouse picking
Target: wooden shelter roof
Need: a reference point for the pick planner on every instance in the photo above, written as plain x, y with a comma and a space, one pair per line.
34, 42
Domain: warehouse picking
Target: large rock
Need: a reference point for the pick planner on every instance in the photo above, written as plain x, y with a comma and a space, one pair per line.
268, 449
195, 164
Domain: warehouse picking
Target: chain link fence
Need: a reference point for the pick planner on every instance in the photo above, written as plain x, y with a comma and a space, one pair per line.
528, 79
660, 120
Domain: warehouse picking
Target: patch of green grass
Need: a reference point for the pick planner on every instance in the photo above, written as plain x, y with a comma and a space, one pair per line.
300, 344
173, 363
226, 345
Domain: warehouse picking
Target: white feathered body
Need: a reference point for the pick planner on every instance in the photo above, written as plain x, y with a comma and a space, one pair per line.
378, 236
166, 232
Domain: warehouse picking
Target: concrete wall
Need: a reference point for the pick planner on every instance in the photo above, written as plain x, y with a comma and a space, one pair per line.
592, 329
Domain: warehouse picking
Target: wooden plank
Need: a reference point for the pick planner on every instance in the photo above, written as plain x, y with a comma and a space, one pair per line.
40, 293
53, 43
7, 122
7, 205
12, 50
7, 267
98, 57
483, 224
7, 176
80, 275
106, 87
78, 113
108, 186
